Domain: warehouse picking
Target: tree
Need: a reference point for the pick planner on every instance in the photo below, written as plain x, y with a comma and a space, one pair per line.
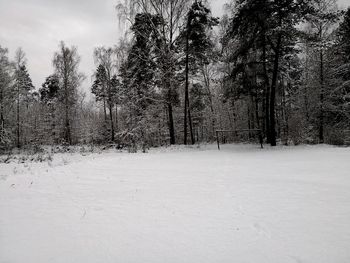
246, 38
195, 44
50, 89
344, 37
172, 13
49, 96
5, 81
270, 29
338, 104
66, 62
99, 87
103, 88
23, 86
137, 75
322, 21
115, 93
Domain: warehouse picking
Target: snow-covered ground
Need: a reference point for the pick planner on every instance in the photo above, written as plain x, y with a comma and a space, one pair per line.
195, 205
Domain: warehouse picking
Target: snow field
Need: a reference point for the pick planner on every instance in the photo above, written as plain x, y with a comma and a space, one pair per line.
240, 204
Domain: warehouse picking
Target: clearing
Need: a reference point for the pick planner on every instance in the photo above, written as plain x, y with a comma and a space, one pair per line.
177, 205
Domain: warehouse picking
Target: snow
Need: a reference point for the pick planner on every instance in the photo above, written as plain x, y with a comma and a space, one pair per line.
240, 204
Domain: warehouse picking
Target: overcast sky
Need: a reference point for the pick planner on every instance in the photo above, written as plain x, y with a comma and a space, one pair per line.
39, 25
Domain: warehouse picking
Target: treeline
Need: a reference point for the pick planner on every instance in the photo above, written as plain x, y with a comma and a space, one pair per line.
179, 74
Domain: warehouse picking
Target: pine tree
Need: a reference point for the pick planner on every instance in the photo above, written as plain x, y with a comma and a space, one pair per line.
195, 43
50, 89
339, 95
269, 28
115, 96
105, 57
138, 83
321, 22
49, 96
99, 87
172, 14
344, 37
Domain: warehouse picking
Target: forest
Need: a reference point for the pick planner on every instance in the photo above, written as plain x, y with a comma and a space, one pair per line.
178, 75
152, 131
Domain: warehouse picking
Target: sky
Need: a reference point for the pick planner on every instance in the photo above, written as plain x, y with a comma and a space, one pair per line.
39, 25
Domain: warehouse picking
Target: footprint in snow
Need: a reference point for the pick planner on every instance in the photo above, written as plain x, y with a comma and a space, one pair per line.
297, 260
261, 230
3, 177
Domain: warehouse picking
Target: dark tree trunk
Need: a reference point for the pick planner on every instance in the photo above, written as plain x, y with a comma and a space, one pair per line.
104, 108
257, 117
267, 94
186, 110
284, 112
67, 127
190, 122
53, 123
67, 131
2, 120
249, 120
116, 117
110, 106
170, 107
171, 124
287, 112
321, 125
18, 126
305, 90
273, 90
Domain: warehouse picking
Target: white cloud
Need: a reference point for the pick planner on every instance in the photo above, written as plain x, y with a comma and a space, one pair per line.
39, 25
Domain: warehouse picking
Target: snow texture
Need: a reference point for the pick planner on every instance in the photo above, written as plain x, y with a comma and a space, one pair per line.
195, 205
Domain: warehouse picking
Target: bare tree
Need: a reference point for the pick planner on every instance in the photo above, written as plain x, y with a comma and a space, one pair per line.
23, 86
66, 62
5, 81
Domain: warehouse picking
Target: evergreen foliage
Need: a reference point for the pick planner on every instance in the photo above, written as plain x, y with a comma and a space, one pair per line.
279, 66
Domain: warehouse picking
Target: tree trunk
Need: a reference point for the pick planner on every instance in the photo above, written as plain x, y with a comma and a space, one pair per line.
53, 123
305, 89
105, 109
190, 122
111, 120
18, 126
207, 86
2, 120
273, 91
186, 110
257, 117
170, 107
67, 126
284, 113
116, 118
67, 136
267, 94
287, 112
230, 119
171, 124
321, 125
